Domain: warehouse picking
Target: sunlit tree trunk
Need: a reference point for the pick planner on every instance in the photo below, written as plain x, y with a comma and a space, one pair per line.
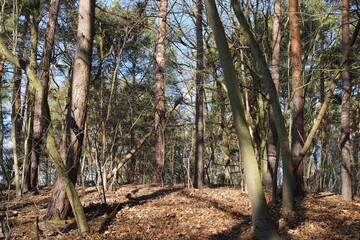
345, 138
297, 130
199, 107
271, 174
261, 220
5, 174
40, 122
159, 153
72, 141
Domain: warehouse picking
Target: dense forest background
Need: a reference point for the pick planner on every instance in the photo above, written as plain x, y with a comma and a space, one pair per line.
169, 92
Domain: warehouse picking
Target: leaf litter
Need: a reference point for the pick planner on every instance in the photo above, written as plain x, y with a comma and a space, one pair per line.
174, 212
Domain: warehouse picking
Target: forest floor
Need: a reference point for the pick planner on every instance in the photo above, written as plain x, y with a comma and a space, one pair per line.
174, 212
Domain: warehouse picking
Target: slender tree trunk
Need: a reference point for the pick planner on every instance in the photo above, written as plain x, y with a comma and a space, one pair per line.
71, 145
297, 131
323, 166
5, 174
159, 153
271, 175
261, 220
268, 84
40, 123
199, 107
345, 139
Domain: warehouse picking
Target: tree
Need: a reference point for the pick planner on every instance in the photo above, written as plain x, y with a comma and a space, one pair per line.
345, 140
40, 122
271, 174
297, 130
261, 220
268, 84
71, 145
199, 105
160, 120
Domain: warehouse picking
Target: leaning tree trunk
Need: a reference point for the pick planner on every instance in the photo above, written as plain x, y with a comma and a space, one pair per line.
345, 139
199, 105
261, 220
40, 122
271, 174
159, 154
268, 84
71, 145
297, 130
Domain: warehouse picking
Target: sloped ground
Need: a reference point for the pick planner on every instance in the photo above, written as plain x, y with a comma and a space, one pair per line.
151, 212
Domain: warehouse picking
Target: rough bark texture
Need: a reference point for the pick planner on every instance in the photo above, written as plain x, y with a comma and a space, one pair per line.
199, 107
268, 84
160, 95
263, 226
40, 122
271, 176
345, 140
71, 145
297, 131
2, 128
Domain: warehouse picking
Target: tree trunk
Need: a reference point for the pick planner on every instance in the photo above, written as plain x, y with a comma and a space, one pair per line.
263, 226
5, 174
40, 122
268, 84
271, 174
159, 153
297, 130
345, 139
199, 107
71, 145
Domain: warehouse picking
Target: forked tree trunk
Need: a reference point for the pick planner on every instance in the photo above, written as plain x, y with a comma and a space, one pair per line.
271, 174
72, 141
268, 84
159, 153
40, 122
199, 107
297, 130
261, 220
345, 138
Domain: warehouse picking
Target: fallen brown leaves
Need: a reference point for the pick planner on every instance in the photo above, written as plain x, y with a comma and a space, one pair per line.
152, 212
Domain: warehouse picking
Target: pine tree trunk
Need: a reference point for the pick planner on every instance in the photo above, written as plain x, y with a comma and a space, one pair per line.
297, 130
263, 226
72, 141
345, 139
199, 105
271, 175
159, 153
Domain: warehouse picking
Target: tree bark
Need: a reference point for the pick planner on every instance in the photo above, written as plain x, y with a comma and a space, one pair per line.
263, 226
40, 122
2, 127
345, 139
159, 153
199, 105
297, 131
268, 84
271, 174
71, 145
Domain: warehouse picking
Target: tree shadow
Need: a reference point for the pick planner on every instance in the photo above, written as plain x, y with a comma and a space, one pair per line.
235, 231
96, 210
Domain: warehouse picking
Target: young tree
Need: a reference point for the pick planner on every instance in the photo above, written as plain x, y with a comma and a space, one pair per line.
297, 131
268, 84
261, 220
160, 95
345, 141
71, 145
199, 104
